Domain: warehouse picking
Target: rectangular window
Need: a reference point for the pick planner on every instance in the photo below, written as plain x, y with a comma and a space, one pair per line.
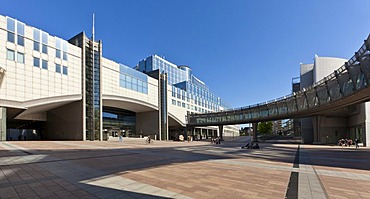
173, 102
36, 35
44, 49
20, 58
65, 70
58, 43
10, 24
65, 57
11, 37
36, 62
20, 28
64, 46
44, 38
44, 64
36, 46
57, 54
10, 55
134, 87
128, 79
57, 68
20, 40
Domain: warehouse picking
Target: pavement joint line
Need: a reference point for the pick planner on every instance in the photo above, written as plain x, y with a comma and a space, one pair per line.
133, 186
10, 147
312, 168
66, 159
315, 188
102, 180
293, 184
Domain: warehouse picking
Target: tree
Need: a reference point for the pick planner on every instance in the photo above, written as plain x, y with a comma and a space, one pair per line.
265, 128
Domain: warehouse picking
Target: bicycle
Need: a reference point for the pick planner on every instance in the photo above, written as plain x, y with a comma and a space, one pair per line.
149, 141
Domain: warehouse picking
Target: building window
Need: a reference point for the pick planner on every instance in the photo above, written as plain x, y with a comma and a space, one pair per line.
10, 55
36, 46
20, 28
36, 35
20, 58
65, 57
36, 62
44, 49
57, 68
44, 38
36, 38
44, 64
20, 40
10, 24
20, 32
11, 37
65, 48
65, 70
173, 102
57, 53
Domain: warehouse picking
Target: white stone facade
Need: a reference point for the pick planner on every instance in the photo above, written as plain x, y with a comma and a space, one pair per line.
46, 92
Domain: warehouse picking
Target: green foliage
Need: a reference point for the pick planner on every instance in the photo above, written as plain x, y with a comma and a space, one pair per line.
265, 128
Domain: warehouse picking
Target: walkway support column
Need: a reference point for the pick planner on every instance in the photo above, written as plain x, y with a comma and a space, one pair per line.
254, 126
220, 132
2, 124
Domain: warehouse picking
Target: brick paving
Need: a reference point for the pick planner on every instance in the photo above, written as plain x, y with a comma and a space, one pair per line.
132, 169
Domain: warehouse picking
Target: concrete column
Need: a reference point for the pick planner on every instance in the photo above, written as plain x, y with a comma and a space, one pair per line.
220, 131
193, 133
316, 123
200, 133
254, 126
2, 124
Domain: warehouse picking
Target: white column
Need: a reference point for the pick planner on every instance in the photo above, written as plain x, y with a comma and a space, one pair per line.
2, 124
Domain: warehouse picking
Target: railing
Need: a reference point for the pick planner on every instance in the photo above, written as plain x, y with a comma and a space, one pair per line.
346, 81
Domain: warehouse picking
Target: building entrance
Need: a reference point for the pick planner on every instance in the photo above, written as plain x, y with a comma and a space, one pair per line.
117, 122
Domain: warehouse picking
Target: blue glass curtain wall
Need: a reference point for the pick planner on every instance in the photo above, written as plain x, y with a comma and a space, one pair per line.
133, 79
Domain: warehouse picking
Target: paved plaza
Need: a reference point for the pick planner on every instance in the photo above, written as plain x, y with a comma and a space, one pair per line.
133, 169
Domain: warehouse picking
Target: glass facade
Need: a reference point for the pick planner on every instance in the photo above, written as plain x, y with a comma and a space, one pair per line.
132, 79
118, 122
163, 110
96, 93
189, 91
154, 62
92, 90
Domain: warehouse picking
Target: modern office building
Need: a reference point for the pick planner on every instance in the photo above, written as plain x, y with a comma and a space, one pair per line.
51, 88
349, 122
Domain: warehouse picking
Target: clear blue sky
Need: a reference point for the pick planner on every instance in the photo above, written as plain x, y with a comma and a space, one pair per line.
246, 51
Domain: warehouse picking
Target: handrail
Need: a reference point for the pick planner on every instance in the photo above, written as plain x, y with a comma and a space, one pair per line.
362, 54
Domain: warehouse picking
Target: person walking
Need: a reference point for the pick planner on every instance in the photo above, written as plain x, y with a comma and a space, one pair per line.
120, 138
356, 143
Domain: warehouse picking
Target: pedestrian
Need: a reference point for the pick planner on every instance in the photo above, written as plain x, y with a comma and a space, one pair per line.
120, 138
356, 143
